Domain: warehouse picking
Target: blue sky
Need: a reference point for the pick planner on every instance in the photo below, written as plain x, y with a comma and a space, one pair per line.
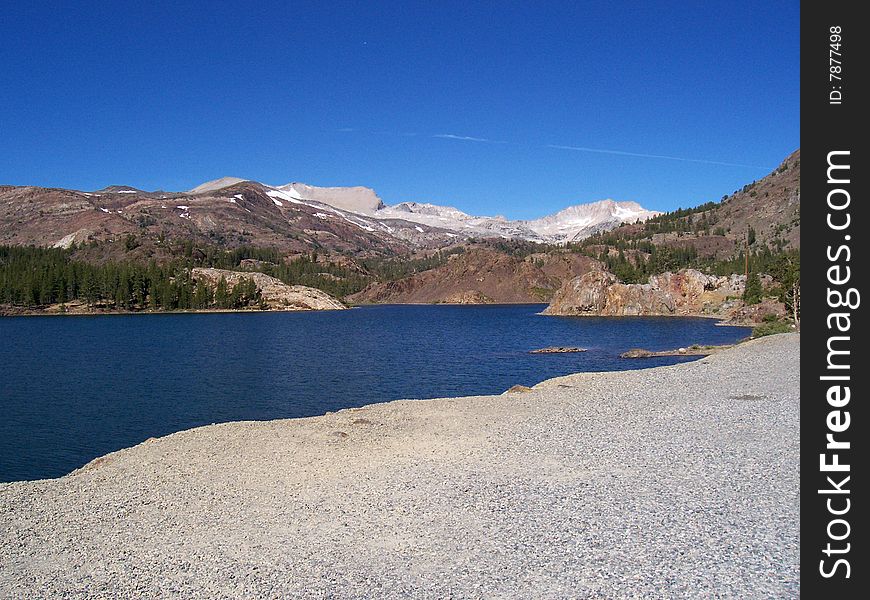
513, 108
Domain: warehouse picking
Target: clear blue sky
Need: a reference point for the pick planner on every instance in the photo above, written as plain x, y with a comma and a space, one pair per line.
482, 105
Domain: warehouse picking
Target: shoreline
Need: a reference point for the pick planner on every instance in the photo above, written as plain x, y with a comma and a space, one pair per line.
46, 313
98, 313
721, 318
478, 494
165, 312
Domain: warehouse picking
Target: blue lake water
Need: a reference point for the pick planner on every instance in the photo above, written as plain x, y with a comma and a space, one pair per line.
74, 388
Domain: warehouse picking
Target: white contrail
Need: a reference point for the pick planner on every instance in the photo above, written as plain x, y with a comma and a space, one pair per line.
467, 138
641, 155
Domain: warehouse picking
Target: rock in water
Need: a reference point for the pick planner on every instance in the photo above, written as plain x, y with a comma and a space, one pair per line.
557, 350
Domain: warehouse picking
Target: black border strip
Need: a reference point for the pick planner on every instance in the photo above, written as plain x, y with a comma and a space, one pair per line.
831, 122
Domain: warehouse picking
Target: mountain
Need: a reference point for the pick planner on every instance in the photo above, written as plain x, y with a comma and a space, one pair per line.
244, 213
356, 199
481, 276
770, 206
215, 185
344, 240
571, 224
296, 217
579, 222
656, 267
763, 213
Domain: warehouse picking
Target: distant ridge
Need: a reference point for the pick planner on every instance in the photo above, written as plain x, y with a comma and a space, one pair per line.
294, 218
216, 184
570, 224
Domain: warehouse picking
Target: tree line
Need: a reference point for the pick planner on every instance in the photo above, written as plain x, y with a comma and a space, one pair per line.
32, 277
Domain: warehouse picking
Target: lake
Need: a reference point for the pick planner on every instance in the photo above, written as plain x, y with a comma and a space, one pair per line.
74, 388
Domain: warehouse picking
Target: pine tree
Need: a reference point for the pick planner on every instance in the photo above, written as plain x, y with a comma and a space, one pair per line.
753, 291
221, 294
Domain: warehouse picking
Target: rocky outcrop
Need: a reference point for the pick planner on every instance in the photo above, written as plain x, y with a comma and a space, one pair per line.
277, 294
582, 295
467, 297
646, 299
757, 313
690, 351
686, 292
557, 350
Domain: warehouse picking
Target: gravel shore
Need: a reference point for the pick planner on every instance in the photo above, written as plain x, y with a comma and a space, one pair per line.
676, 481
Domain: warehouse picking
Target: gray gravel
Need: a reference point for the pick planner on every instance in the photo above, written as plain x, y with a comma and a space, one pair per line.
669, 482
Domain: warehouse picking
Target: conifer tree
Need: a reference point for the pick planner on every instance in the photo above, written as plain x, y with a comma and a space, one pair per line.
753, 291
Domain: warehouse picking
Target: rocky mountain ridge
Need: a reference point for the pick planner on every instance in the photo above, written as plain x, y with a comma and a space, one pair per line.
295, 217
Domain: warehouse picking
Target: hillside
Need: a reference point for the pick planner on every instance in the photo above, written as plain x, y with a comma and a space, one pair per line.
763, 217
765, 213
483, 275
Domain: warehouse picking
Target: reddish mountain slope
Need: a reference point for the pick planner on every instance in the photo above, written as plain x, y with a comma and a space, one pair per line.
482, 275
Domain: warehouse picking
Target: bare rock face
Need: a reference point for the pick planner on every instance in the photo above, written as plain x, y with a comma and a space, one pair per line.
756, 313
685, 286
686, 292
637, 299
277, 294
77, 237
584, 295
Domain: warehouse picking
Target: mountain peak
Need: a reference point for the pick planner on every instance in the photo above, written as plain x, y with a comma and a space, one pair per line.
120, 189
358, 199
582, 220
216, 184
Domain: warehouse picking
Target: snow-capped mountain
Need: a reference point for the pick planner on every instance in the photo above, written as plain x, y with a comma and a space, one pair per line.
453, 219
580, 221
364, 206
571, 224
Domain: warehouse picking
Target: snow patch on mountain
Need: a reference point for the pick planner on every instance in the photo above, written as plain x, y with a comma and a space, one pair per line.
275, 194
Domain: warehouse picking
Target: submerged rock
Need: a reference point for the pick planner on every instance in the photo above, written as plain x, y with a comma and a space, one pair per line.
690, 351
557, 350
